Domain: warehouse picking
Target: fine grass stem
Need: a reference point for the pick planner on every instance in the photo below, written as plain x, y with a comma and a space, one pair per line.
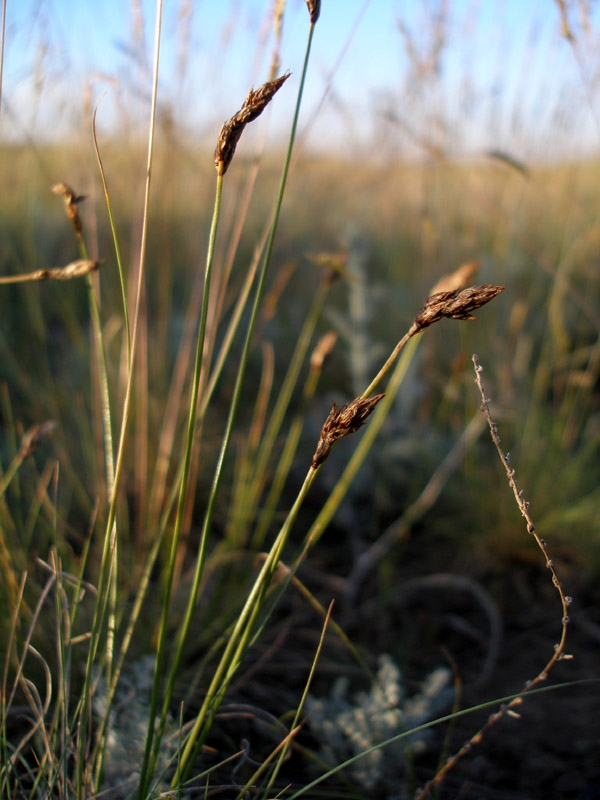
192, 744
112, 511
302, 703
151, 755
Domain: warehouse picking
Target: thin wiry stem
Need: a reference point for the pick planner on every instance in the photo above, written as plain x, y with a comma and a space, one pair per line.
565, 601
104, 571
109, 561
302, 703
2, 37
151, 753
195, 738
114, 234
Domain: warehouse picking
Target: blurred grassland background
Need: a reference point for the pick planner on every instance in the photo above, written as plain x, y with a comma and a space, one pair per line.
468, 132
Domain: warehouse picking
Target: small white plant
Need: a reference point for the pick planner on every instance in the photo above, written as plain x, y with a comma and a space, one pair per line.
126, 731
346, 727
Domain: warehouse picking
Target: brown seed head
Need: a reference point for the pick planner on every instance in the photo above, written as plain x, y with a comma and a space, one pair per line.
342, 421
71, 201
455, 305
314, 9
33, 437
74, 270
324, 347
254, 104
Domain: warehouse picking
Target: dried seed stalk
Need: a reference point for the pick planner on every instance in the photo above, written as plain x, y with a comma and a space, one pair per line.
452, 304
33, 437
342, 421
559, 654
349, 418
76, 269
254, 104
72, 199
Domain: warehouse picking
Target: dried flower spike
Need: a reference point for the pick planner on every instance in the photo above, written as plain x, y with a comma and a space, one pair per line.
33, 437
454, 305
314, 9
254, 104
323, 349
342, 421
453, 281
71, 201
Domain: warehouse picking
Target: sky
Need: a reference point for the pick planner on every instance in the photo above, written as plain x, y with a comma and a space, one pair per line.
416, 76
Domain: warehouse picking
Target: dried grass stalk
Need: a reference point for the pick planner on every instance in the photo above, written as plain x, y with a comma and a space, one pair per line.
72, 199
254, 104
559, 654
342, 421
76, 269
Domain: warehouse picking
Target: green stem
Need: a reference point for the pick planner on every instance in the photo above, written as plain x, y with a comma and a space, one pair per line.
359, 455
388, 364
151, 754
115, 237
239, 637
285, 462
83, 706
235, 401
261, 466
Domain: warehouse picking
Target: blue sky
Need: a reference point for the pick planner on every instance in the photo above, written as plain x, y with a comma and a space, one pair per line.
506, 77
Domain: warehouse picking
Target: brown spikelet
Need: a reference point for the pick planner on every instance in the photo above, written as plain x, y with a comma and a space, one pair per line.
324, 347
254, 104
71, 199
314, 9
454, 305
76, 269
33, 437
342, 421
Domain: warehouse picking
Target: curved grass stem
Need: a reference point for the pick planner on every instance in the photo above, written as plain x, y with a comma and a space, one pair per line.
109, 541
